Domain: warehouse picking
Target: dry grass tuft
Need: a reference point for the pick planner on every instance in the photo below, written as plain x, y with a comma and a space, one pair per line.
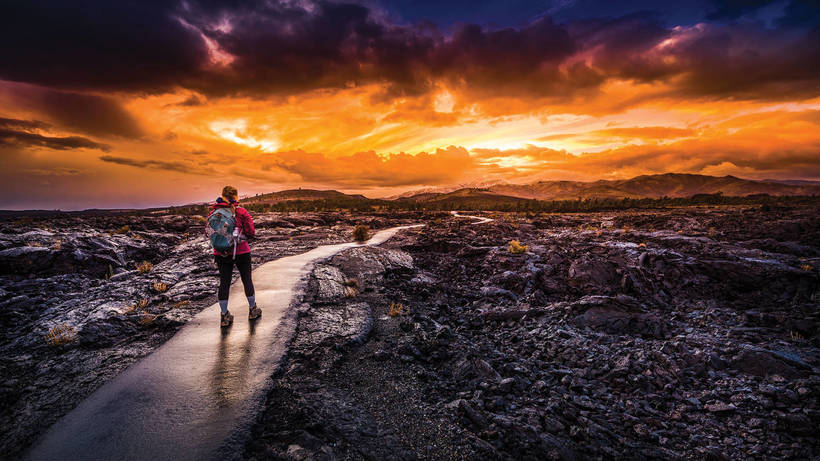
147, 319
123, 230
397, 309
60, 335
712, 232
517, 248
200, 219
142, 303
110, 272
796, 336
128, 308
182, 304
160, 287
361, 233
145, 267
806, 267
351, 288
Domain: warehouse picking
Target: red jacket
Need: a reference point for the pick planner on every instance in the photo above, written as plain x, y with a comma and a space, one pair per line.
244, 223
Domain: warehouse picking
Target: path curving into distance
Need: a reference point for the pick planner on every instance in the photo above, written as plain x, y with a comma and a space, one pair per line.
481, 219
196, 396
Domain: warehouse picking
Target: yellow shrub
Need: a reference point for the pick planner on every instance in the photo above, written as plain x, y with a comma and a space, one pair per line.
397, 309
160, 287
145, 267
517, 248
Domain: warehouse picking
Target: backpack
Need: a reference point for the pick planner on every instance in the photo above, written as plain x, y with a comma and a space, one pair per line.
220, 230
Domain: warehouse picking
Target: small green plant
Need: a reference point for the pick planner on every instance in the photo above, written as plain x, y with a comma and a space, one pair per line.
517, 248
397, 309
361, 233
145, 267
110, 272
160, 287
60, 335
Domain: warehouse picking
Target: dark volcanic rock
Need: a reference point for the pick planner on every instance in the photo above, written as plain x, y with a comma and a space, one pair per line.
681, 334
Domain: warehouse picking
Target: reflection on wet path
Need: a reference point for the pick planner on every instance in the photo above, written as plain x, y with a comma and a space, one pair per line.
196, 395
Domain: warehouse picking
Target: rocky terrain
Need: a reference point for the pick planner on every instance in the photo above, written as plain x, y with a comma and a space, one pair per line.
681, 334
84, 296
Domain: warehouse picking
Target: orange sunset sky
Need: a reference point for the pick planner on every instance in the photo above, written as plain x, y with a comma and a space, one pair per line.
111, 105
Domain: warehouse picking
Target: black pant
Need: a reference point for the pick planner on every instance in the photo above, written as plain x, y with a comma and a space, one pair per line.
225, 265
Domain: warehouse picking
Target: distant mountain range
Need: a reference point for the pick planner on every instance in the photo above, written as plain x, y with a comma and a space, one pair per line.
673, 185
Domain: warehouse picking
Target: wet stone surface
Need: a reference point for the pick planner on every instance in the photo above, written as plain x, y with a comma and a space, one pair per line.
681, 334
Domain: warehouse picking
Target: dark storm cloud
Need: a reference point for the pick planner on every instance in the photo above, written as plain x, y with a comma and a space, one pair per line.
97, 44
179, 167
97, 115
276, 48
20, 133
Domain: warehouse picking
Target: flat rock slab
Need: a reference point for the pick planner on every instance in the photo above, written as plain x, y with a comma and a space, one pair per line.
195, 396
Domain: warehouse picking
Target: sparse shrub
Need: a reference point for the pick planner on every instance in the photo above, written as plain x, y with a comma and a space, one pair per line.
128, 308
796, 336
142, 303
200, 219
517, 248
145, 267
397, 309
182, 304
627, 229
123, 230
712, 232
60, 335
361, 233
160, 287
351, 282
147, 319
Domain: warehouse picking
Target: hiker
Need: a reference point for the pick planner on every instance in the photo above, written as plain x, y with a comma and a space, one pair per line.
229, 227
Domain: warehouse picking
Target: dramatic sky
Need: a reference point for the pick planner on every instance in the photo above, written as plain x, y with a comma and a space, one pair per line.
150, 103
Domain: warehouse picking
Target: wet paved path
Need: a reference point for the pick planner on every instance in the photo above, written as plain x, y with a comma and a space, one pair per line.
196, 396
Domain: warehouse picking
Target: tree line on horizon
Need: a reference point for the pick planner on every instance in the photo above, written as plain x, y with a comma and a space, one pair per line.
351, 204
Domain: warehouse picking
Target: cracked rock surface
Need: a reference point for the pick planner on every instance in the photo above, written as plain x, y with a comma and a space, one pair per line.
679, 334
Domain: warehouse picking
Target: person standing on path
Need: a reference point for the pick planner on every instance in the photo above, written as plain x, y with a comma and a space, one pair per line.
239, 257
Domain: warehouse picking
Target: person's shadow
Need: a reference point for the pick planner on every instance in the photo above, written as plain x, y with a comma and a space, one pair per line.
230, 372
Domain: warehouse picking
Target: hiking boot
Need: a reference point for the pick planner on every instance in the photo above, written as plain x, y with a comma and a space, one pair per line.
254, 312
226, 319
